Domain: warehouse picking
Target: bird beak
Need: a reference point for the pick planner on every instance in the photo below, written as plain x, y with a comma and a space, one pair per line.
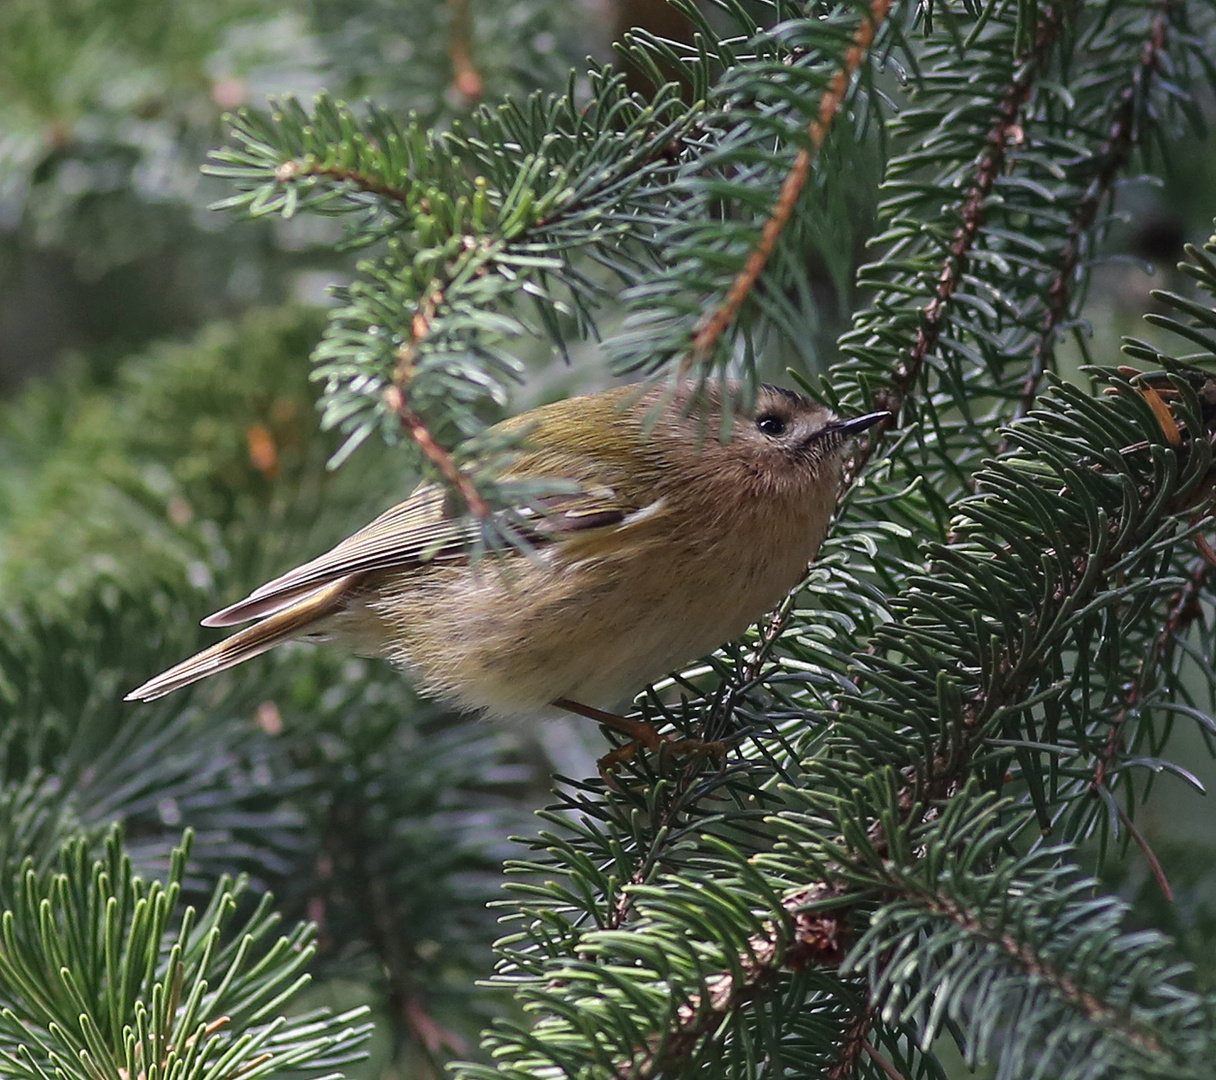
858, 424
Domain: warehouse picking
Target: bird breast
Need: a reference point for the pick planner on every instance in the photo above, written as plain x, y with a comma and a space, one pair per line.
595, 618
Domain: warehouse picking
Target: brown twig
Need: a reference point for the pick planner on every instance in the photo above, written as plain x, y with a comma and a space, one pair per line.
713, 328
818, 939
294, 169
821, 935
384, 931
402, 993
1006, 129
1184, 610
989, 169
700, 1014
466, 79
1033, 964
795, 180
774, 627
415, 427
1146, 850
882, 1062
395, 397
1115, 154
852, 1045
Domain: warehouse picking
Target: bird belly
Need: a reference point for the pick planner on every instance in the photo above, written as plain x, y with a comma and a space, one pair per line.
511, 637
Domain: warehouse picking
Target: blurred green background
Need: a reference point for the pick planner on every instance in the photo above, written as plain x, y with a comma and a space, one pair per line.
157, 430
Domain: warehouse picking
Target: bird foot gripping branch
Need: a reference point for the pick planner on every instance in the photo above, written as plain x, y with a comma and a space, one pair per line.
641, 736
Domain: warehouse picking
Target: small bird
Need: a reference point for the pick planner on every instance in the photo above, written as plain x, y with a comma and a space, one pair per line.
670, 542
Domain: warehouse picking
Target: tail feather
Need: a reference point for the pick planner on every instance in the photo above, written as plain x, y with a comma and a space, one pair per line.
275, 629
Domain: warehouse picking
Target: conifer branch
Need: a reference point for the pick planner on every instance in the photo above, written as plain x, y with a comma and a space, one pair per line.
395, 397
706, 337
818, 940
702, 1013
853, 1044
889, 1069
404, 996
1032, 962
1184, 610
295, 169
1146, 849
936, 777
415, 427
774, 626
647, 862
1005, 129
1111, 160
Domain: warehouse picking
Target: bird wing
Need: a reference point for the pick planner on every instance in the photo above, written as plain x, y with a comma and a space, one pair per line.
418, 531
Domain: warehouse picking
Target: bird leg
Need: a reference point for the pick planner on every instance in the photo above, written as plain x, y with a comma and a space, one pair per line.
641, 735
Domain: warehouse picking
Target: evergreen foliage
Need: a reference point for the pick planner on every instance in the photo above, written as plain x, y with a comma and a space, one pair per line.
104, 977
938, 744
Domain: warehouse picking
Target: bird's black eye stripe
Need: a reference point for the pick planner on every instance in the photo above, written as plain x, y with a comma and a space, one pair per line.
771, 425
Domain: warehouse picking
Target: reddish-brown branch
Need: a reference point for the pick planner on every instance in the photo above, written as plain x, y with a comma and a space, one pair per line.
466, 79
1115, 154
343, 857
293, 170
1033, 964
396, 398
829, 105
891, 1071
1006, 129
853, 1045
821, 937
818, 940
701, 1014
1184, 610
403, 995
1147, 851
414, 426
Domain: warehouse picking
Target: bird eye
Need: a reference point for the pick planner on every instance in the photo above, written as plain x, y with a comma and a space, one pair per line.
771, 425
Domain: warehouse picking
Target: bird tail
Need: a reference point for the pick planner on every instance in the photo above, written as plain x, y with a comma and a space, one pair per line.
275, 629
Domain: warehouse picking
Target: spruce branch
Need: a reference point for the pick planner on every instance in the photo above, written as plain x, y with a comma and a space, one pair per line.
853, 1043
1008, 127
1184, 609
959, 198
891, 814
296, 169
476, 223
1036, 965
1110, 161
103, 976
706, 337
734, 206
803, 939
942, 924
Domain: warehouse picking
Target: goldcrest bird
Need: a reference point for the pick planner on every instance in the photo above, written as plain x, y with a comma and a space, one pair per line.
670, 543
